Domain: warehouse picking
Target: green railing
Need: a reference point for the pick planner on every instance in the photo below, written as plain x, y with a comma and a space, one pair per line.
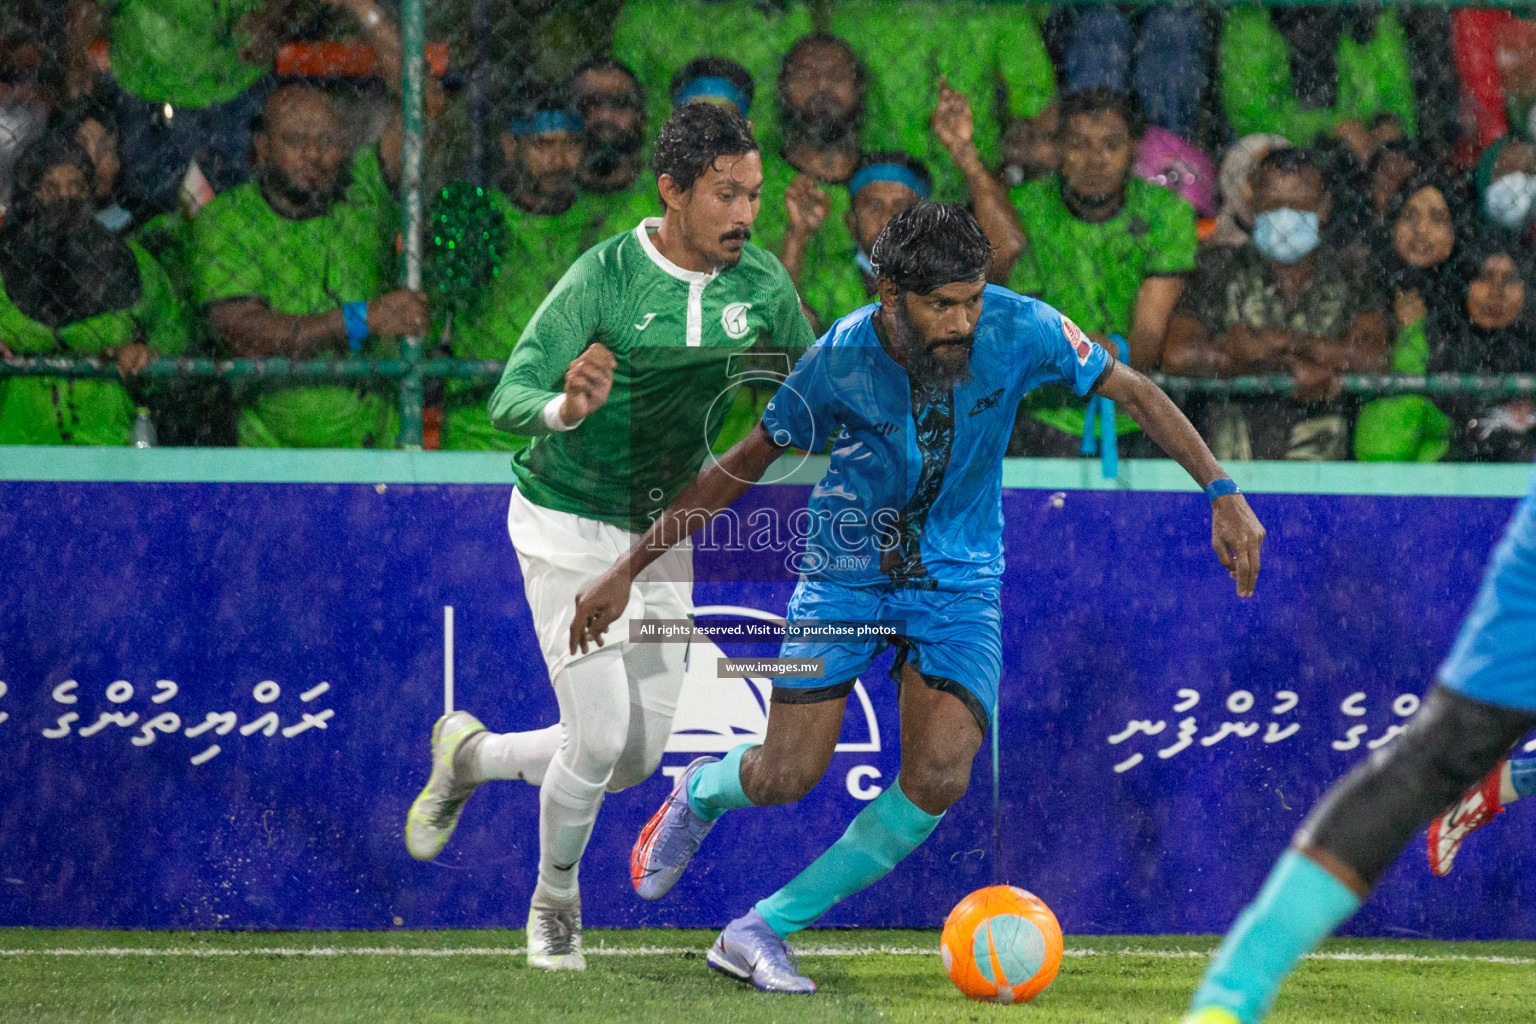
489, 371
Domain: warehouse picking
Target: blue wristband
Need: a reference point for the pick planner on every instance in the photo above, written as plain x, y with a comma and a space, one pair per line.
1221, 486
355, 316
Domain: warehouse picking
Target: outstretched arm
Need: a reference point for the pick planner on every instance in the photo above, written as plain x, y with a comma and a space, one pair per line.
713, 491
1235, 531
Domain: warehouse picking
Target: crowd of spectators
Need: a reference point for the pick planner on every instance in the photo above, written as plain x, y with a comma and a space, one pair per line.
1209, 191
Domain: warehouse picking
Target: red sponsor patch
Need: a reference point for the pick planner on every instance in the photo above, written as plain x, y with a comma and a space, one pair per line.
1078, 340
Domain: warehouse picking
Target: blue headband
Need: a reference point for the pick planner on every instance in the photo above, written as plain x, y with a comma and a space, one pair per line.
888, 172
544, 121
709, 85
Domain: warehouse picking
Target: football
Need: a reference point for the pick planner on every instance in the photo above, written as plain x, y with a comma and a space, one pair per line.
1001, 945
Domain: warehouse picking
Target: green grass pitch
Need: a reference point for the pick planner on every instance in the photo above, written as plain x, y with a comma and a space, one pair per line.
50, 977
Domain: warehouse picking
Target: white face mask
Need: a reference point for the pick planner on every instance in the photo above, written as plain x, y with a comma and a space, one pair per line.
1507, 202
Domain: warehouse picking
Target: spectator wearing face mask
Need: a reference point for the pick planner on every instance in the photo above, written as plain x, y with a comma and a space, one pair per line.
73, 289
1235, 219
1284, 303
1505, 181
1414, 260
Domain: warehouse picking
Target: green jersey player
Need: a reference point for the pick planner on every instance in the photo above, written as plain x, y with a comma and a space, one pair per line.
622, 378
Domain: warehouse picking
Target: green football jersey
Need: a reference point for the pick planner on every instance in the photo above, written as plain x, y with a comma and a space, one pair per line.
673, 333
241, 247
1093, 272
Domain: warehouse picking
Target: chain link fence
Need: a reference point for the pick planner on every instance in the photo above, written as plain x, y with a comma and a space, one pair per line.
324, 223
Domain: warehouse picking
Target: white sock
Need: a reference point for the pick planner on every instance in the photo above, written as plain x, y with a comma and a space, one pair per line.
516, 755
594, 710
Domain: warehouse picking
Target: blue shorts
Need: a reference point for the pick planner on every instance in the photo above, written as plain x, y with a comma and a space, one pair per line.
952, 638
1494, 658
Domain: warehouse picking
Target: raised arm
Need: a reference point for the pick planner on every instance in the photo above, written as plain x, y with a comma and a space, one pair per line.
956, 129
714, 490
1235, 531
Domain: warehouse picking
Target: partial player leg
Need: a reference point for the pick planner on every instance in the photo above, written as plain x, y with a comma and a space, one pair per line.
793, 757
522, 756
1509, 781
1347, 843
939, 740
655, 677
594, 709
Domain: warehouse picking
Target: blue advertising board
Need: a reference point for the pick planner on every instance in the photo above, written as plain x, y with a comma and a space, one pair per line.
215, 699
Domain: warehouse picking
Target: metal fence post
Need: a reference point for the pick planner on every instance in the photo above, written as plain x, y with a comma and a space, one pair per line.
412, 37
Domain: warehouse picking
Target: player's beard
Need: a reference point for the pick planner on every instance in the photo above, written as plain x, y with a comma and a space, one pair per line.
925, 367
726, 259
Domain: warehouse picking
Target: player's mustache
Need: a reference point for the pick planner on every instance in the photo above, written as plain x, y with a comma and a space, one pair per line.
744, 235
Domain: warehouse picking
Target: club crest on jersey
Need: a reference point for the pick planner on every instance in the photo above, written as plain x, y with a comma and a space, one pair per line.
733, 318
1078, 340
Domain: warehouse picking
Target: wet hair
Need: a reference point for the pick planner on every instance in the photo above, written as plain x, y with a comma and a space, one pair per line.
1289, 160
714, 67
930, 245
806, 42
694, 137
1092, 101
900, 159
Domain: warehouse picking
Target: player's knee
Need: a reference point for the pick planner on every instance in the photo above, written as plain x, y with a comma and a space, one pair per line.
935, 782
599, 748
633, 768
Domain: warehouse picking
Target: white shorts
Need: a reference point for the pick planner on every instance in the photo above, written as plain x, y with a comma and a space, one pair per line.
561, 552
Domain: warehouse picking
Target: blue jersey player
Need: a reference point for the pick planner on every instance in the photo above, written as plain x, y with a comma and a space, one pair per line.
1483, 703
921, 392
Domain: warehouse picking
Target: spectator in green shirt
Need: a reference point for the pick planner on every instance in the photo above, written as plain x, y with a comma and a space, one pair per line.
992, 53
1298, 71
1106, 248
616, 188
545, 221
70, 288
820, 95
296, 264
1283, 303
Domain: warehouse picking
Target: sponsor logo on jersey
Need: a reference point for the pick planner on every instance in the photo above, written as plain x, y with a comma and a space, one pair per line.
645, 321
1078, 340
986, 402
734, 319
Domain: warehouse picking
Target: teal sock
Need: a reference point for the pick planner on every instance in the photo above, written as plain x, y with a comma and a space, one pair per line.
716, 787
1298, 907
876, 840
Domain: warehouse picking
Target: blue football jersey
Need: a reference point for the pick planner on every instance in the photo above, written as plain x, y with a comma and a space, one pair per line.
914, 493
